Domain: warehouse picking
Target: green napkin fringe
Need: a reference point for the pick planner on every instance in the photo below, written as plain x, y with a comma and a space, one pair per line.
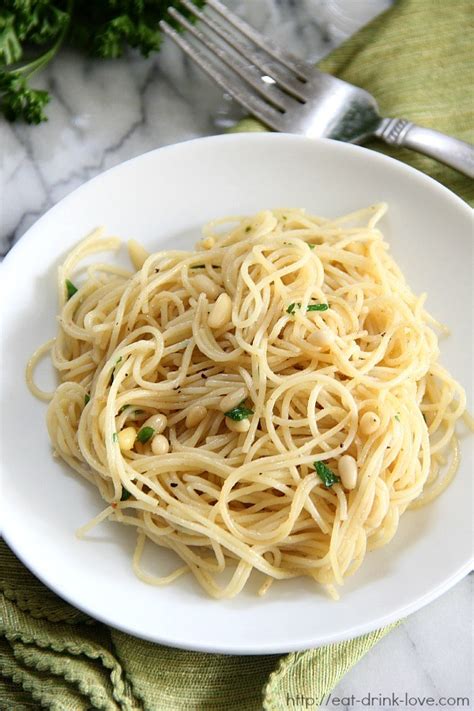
416, 60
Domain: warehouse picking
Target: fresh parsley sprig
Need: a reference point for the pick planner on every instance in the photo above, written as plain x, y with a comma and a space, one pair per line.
33, 31
25, 27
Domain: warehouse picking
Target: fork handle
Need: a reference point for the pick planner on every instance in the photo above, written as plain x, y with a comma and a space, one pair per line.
446, 149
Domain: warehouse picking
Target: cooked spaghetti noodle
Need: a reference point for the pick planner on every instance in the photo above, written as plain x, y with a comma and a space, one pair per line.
284, 429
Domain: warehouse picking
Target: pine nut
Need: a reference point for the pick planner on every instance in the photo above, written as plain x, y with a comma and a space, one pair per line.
208, 243
158, 422
348, 471
233, 399
237, 426
206, 285
369, 423
159, 444
321, 338
137, 253
196, 415
220, 312
126, 438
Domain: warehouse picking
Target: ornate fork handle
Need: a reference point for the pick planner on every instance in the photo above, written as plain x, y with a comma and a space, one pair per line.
451, 151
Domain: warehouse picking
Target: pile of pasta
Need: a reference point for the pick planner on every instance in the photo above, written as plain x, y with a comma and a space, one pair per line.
270, 401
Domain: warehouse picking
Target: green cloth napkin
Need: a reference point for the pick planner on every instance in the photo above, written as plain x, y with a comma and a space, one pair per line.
54, 656
416, 60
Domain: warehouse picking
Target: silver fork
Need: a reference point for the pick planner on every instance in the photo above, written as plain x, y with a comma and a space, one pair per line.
289, 95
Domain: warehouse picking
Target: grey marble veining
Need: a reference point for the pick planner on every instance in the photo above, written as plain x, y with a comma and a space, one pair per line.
103, 113
429, 655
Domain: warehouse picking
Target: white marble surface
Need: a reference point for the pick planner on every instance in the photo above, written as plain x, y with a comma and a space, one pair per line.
103, 113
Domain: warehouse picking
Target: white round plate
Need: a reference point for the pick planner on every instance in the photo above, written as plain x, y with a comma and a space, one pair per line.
162, 199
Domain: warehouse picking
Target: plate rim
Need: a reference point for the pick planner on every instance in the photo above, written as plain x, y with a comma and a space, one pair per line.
237, 137
222, 647
225, 648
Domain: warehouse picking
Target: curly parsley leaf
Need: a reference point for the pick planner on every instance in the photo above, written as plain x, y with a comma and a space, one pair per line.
102, 28
10, 47
18, 101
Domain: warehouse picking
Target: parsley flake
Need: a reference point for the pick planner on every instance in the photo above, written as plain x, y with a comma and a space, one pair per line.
325, 474
239, 413
70, 288
145, 434
317, 307
311, 307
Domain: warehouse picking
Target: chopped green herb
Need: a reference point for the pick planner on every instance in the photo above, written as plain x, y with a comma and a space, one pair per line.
317, 307
123, 408
125, 495
145, 434
311, 307
87, 398
70, 288
115, 437
397, 417
239, 413
325, 474
311, 246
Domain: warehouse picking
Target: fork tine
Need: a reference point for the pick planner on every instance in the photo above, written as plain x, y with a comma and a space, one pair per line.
294, 87
269, 92
252, 103
288, 60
